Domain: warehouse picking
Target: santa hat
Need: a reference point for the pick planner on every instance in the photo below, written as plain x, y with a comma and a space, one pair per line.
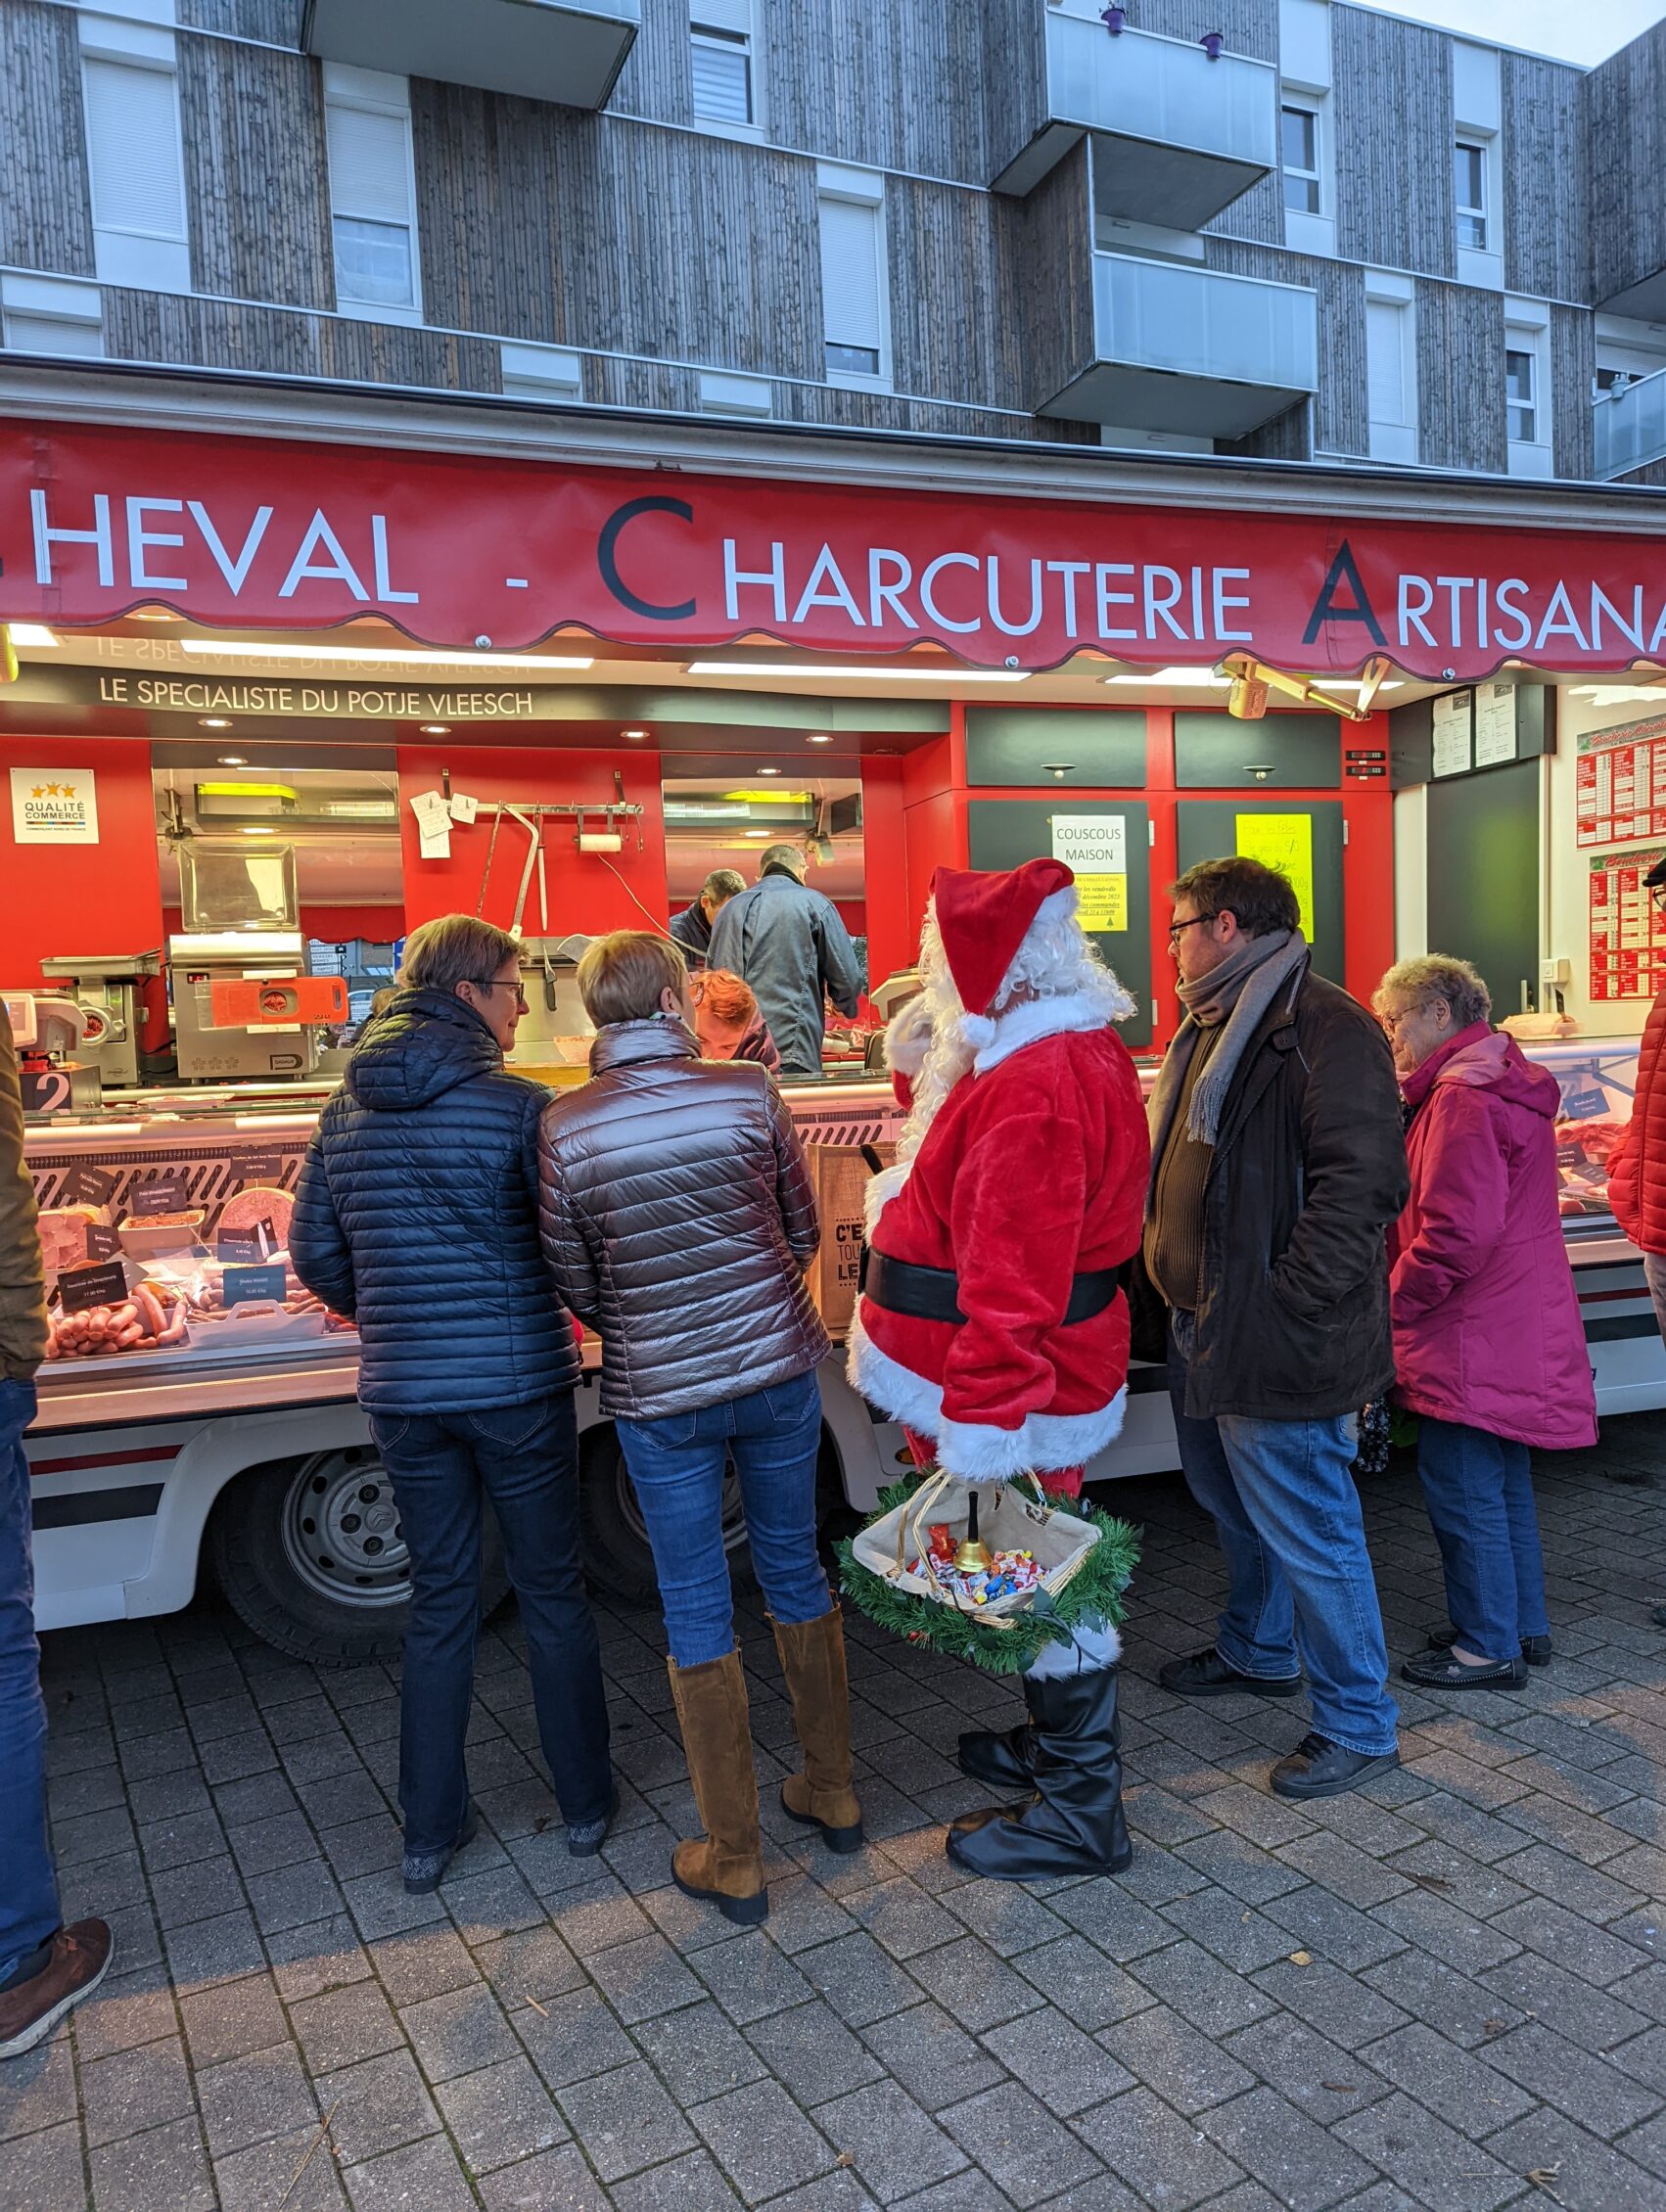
983, 919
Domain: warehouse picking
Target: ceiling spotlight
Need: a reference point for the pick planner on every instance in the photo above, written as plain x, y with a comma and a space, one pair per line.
820, 737
215, 721
31, 633
634, 736
769, 771
436, 729
758, 833
230, 760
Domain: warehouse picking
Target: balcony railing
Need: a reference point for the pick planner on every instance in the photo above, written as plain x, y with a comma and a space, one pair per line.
1176, 136
1629, 426
566, 51
1193, 350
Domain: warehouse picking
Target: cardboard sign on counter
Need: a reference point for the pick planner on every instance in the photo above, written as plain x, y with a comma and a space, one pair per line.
841, 1176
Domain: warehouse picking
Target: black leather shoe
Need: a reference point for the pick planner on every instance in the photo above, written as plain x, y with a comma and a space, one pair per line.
1004, 1758
425, 1869
1436, 1669
1534, 1649
1074, 1823
1319, 1767
1207, 1675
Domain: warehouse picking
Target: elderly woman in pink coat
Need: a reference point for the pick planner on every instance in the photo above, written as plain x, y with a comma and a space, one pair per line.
1489, 1349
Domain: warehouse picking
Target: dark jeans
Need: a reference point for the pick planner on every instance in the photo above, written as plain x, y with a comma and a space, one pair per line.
1299, 1578
525, 1460
676, 1464
29, 1887
1479, 1490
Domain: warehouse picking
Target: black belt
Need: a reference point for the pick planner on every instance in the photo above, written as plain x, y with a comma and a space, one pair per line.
932, 1294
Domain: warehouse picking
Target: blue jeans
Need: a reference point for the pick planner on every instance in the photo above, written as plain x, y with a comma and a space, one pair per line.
676, 1464
1299, 1581
1479, 1490
525, 1460
28, 1886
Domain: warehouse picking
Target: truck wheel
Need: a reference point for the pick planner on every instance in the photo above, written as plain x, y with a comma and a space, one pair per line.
618, 1558
310, 1555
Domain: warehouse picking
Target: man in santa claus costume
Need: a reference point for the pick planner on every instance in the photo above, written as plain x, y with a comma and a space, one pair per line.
992, 1322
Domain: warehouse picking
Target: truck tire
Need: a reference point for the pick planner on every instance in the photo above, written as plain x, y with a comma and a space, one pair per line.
310, 1555
613, 1536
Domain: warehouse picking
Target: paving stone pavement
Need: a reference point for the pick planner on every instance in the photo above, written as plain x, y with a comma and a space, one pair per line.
1447, 1991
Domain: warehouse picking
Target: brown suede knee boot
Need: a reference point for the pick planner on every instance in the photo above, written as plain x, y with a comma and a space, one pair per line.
813, 1659
726, 1864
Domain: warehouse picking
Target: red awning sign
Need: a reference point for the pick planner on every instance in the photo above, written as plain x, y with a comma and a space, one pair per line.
466, 552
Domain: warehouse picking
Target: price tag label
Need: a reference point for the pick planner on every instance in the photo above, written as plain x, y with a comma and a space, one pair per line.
44, 1092
83, 1288
86, 1185
162, 1194
243, 1283
1585, 1105
261, 1167
102, 1243
244, 1248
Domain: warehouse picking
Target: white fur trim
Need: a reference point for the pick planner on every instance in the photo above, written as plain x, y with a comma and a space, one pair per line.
971, 1449
977, 1030
882, 1188
1094, 1647
1037, 1018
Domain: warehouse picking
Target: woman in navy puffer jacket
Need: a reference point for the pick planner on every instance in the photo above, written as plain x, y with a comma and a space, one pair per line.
416, 1214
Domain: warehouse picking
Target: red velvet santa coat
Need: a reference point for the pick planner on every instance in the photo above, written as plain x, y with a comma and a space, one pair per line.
1034, 1171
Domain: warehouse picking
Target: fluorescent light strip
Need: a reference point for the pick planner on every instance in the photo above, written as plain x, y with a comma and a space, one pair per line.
1205, 678
31, 633
809, 671
245, 649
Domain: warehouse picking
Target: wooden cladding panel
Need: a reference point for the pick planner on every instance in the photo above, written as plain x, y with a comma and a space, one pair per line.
485, 169
949, 336
148, 326
1014, 69
1340, 417
1546, 215
1461, 377
46, 218
1625, 153
1249, 26
1573, 364
1288, 437
1257, 215
256, 178
871, 82
1046, 269
1395, 183
658, 77
278, 22
877, 410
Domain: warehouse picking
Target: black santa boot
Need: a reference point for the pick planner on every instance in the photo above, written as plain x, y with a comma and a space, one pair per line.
1074, 1825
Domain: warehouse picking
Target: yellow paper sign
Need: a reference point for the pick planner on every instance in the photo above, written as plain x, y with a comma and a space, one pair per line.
1284, 842
1101, 903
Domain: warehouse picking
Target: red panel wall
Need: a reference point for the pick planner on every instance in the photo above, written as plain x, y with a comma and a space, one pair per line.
588, 892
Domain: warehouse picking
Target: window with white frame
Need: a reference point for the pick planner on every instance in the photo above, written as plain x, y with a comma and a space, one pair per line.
1521, 390
1470, 182
1527, 394
1298, 128
50, 314
854, 306
722, 61
135, 158
367, 125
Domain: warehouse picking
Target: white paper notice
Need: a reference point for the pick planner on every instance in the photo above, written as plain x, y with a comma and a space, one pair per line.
1453, 715
463, 808
1094, 845
434, 825
1495, 724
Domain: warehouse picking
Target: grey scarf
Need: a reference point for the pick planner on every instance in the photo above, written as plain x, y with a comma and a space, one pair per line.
1237, 992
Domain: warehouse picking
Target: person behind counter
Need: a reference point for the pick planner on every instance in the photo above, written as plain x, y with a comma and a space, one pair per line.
789, 943
45, 1967
1489, 1349
678, 1219
727, 1022
416, 1213
692, 928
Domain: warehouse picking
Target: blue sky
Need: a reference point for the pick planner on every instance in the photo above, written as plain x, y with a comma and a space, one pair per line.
1573, 30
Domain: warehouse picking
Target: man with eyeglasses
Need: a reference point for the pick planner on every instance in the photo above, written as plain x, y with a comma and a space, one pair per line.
1278, 1164
416, 1214
1637, 1166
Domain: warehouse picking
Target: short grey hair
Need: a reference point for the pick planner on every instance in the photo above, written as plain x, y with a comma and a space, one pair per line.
455, 949
722, 884
1436, 975
782, 856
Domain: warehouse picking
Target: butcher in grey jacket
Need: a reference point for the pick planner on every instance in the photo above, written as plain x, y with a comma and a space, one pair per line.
788, 943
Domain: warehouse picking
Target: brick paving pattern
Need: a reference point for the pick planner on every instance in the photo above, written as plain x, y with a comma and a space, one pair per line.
1448, 1992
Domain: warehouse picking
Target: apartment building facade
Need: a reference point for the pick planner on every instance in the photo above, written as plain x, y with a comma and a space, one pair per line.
1287, 229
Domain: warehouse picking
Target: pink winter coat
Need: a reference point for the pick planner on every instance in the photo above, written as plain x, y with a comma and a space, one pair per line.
1486, 1323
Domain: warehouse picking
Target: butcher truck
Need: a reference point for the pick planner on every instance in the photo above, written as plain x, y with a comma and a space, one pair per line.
199, 1423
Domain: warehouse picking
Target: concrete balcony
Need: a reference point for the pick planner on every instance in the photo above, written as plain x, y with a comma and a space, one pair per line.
1629, 428
565, 51
1188, 349
1177, 137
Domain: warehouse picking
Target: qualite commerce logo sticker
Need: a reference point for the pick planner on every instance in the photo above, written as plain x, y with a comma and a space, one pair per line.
54, 806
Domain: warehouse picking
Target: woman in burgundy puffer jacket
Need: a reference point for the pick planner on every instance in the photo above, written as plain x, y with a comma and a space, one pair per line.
1489, 1349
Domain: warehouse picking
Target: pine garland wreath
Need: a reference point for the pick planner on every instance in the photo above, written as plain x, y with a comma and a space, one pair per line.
1094, 1592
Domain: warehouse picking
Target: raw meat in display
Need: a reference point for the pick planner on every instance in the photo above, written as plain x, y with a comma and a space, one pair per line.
261, 1202
63, 1235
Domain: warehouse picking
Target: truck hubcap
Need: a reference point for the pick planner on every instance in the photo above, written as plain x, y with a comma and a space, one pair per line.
342, 1532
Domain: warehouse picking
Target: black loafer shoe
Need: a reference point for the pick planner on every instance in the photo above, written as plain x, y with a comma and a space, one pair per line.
1319, 1767
1207, 1675
1534, 1649
423, 1871
1438, 1670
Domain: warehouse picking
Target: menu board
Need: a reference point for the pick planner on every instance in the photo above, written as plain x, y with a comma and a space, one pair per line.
1622, 782
1454, 714
1628, 938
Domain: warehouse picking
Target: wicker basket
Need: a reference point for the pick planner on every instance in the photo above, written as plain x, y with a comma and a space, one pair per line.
1009, 1519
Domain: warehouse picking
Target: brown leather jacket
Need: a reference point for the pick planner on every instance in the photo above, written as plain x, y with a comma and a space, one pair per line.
678, 1218
23, 1277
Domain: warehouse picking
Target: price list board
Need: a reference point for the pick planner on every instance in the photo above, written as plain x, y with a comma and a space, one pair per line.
1628, 938
1622, 782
